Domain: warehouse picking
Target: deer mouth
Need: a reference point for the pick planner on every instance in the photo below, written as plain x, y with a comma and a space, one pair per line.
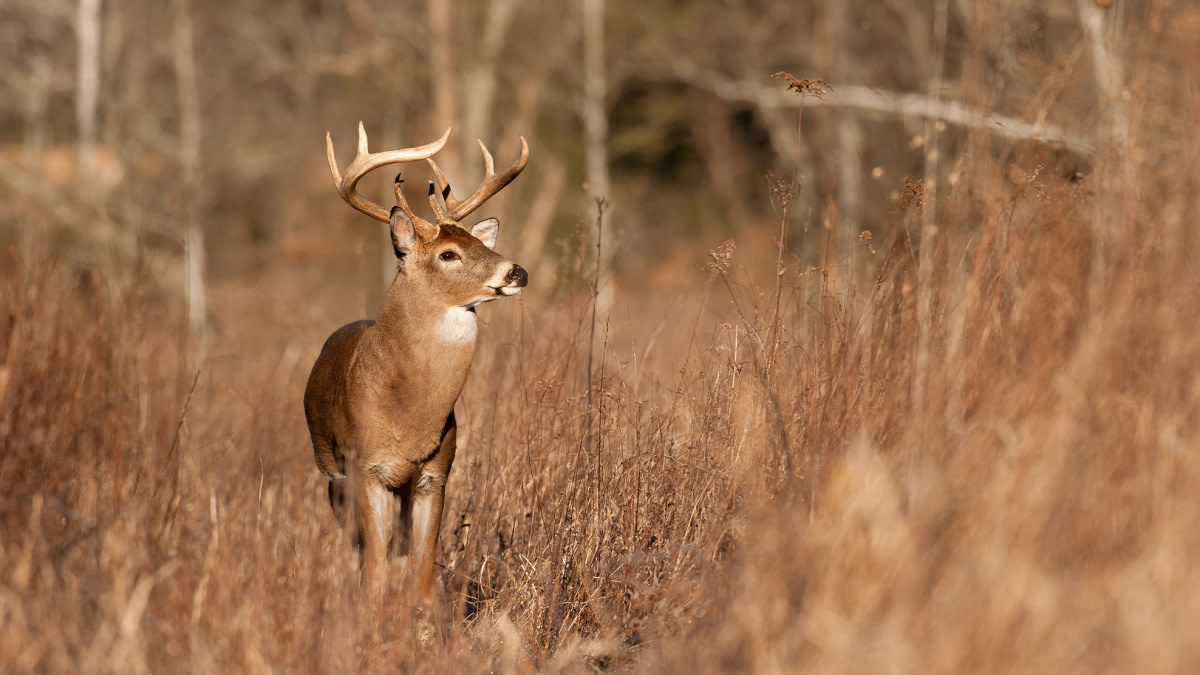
493, 293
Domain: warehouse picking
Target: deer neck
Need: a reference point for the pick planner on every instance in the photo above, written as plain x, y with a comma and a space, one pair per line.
422, 340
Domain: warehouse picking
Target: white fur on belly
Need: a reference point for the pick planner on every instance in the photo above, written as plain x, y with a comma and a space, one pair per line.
457, 325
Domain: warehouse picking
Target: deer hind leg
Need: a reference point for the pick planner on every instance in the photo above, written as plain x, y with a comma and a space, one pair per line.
337, 500
341, 510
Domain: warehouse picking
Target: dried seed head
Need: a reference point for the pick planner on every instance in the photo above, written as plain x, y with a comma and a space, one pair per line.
914, 194
805, 87
720, 256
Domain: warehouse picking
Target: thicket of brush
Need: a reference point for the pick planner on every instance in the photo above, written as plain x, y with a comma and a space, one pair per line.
971, 451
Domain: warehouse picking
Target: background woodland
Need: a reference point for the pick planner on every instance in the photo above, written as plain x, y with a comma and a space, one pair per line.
859, 335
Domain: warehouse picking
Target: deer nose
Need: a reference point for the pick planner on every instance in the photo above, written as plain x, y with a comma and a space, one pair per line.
517, 276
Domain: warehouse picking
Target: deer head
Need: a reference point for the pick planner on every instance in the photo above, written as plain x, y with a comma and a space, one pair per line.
458, 263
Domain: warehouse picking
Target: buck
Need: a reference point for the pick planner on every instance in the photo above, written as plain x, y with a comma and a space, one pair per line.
380, 399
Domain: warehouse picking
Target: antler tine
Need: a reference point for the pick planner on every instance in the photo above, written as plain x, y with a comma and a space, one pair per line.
489, 165
401, 201
442, 184
439, 210
424, 229
365, 162
492, 182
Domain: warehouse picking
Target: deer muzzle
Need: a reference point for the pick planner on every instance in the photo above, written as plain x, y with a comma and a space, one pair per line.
514, 281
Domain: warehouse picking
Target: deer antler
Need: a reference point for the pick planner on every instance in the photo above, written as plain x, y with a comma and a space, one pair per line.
492, 182
365, 161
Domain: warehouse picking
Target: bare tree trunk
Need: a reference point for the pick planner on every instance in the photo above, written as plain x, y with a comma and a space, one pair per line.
540, 216
595, 122
552, 175
21, 175
846, 130
1107, 70
37, 89
87, 31
708, 117
441, 64
183, 54
595, 113
37, 95
481, 78
929, 211
1117, 160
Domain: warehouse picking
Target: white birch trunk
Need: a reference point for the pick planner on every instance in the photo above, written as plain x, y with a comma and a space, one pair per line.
595, 123
87, 31
184, 61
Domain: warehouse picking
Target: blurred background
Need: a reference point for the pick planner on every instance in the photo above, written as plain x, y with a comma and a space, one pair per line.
881, 357
186, 138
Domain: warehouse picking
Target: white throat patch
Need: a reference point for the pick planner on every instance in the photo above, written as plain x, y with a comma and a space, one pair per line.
457, 325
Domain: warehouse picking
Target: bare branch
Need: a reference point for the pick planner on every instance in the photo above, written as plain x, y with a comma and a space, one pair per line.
868, 100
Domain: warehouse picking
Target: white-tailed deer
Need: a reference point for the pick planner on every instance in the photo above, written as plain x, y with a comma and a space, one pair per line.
380, 400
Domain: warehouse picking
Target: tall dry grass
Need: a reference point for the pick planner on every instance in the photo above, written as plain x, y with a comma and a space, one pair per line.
733, 487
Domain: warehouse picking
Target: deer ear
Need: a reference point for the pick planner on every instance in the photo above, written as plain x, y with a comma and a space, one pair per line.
404, 236
486, 231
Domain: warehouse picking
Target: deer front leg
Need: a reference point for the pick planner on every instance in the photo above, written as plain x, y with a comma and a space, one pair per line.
428, 497
375, 528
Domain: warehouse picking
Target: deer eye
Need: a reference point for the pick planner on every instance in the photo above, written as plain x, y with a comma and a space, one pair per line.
448, 256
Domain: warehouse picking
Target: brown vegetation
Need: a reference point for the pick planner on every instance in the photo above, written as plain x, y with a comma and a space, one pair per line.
964, 443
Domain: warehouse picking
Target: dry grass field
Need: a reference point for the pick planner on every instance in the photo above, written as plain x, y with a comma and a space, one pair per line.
1025, 502
969, 445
